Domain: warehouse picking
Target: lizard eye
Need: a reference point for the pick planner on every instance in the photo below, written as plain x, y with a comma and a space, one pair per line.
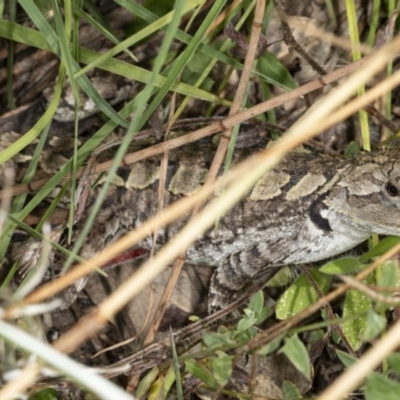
392, 189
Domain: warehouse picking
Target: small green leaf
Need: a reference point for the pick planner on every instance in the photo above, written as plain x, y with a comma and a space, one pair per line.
265, 313
355, 305
341, 266
216, 340
202, 373
221, 368
282, 278
389, 275
375, 325
316, 336
247, 321
394, 362
297, 353
290, 391
273, 71
381, 387
352, 148
46, 394
346, 359
381, 248
155, 392
301, 294
146, 383
169, 380
270, 347
257, 302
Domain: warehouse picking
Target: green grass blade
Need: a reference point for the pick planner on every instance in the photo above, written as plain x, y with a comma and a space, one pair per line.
54, 42
149, 30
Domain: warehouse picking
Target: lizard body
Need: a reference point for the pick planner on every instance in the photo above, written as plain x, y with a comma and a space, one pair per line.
308, 208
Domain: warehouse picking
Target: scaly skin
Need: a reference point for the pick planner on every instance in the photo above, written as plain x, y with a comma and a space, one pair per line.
308, 208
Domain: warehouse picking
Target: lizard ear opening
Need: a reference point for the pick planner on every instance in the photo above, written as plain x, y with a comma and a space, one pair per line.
391, 189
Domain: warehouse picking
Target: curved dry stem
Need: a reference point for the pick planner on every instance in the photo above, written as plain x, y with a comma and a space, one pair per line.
304, 129
268, 335
230, 121
246, 174
216, 164
353, 377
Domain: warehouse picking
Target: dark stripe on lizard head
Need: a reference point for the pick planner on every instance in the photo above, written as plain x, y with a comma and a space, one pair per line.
315, 214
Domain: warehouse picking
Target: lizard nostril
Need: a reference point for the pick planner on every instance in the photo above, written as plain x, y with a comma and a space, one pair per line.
392, 189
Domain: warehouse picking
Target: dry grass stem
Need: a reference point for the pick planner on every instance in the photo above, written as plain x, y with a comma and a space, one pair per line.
199, 78
338, 41
9, 179
282, 327
213, 128
26, 377
353, 377
217, 161
286, 143
246, 174
355, 284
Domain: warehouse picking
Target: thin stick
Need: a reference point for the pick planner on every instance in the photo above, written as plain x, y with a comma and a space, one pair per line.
248, 172
211, 129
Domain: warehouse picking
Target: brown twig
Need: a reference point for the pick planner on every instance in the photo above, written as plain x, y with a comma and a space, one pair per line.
246, 174
268, 335
184, 338
260, 160
209, 130
215, 166
372, 294
292, 42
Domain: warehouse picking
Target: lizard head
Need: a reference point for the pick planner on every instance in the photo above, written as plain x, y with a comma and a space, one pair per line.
370, 192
